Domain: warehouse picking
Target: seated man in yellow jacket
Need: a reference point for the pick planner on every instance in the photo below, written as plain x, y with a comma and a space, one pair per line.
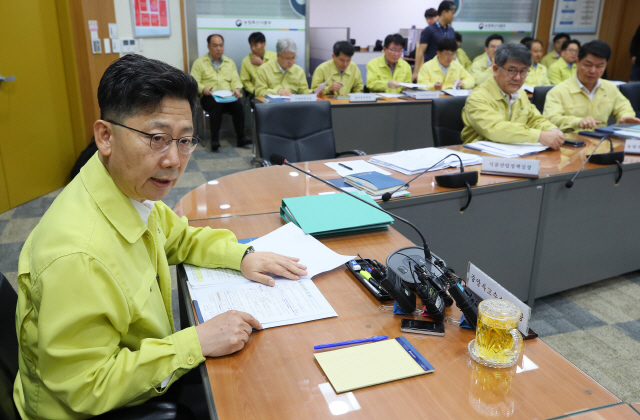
257, 57
585, 101
213, 71
538, 72
554, 55
94, 322
462, 56
441, 72
565, 67
498, 110
481, 68
341, 75
385, 73
282, 76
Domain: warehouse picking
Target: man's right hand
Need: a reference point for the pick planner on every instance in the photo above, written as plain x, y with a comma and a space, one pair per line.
437, 86
284, 92
226, 333
589, 123
207, 91
335, 87
552, 138
256, 61
393, 84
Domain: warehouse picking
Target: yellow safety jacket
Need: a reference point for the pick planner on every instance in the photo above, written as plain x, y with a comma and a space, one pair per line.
379, 74
249, 72
225, 78
559, 71
351, 78
430, 73
537, 76
549, 59
270, 79
463, 59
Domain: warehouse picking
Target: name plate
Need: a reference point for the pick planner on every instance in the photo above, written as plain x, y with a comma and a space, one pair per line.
526, 168
363, 97
422, 94
487, 288
632, 146
310, 97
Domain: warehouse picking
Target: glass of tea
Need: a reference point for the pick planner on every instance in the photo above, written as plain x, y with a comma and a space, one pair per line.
498, 342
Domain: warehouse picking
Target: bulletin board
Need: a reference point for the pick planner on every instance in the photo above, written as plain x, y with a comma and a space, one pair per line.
150, 18
577, 16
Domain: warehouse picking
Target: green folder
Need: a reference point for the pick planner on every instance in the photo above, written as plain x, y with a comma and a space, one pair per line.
333, 214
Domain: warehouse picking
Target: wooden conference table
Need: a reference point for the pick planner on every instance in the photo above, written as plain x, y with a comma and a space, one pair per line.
534, 236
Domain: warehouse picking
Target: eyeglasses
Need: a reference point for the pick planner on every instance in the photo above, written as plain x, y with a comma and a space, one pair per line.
448, 54
513, 72
395, 51
572, 50
159, 142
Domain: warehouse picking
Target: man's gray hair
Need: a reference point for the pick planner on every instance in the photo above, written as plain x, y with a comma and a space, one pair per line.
512, 51
286, 44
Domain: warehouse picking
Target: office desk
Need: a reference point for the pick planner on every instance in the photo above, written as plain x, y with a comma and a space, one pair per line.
276, 376
614, 412
534, 236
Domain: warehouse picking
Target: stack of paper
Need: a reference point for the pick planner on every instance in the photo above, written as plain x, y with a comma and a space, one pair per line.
507, 150
411, 162
374, 183
215, 291
354, 167
457, 92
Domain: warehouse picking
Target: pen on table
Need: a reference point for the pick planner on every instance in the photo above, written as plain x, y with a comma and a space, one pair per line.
345, 166
351, 342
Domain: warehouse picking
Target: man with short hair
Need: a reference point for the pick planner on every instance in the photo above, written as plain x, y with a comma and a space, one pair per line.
554, 55
462, 56
538, 72
282, 76
443, 71
498, 110
341, 75
586, 101
428, 46
257, 57
430, 16
385, 73
94, 321
564, 68
213, 72
481, 68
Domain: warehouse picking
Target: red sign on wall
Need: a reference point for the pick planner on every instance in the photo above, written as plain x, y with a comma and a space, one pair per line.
151, 18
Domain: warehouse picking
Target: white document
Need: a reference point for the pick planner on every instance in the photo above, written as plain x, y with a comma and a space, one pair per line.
288, 302
277, 96
322, 86
390, 95
113, 31
626, 133
107, 45
457, 92
412, 85
411, 162
352, 190
527, 88
357, 166
507, 150
115, 46
617, 82
455, 84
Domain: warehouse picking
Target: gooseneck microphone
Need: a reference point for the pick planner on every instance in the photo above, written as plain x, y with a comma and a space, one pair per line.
279, 160
458, 180
601, 159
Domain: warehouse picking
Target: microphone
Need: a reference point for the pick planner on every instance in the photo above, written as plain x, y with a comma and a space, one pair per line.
601, 159
458, 180
279, 160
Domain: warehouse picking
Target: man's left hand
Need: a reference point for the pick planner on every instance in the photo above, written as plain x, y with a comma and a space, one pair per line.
629, 120
237, 93
256, 61
254, 267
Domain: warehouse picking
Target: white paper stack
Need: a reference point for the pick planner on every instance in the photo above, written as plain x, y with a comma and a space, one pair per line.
411, 162
507, 150
457, 92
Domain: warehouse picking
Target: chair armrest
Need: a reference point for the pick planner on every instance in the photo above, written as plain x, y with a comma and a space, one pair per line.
352, 152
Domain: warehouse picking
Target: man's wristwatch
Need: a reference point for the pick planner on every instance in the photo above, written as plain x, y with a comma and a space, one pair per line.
249, 250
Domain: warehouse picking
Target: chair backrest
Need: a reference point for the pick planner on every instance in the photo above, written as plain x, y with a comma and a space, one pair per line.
539, 95
8, 339
299, 131
632, 93
446, 120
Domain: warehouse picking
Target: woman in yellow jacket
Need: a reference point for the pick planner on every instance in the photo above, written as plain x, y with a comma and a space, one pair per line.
441, 72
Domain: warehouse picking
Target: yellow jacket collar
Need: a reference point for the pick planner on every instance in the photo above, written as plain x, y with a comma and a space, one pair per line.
334, 69
112, 202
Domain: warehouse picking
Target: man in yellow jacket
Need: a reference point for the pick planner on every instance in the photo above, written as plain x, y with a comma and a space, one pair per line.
554, 55
462, 56
385, 73
257, 57
94, 321
565, 67
585, 101
538, 72
282, 76
442, 71
481, 68
498, 110
340, 74
214, 72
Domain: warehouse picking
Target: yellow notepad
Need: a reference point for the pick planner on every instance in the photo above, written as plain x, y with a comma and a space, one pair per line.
372, 364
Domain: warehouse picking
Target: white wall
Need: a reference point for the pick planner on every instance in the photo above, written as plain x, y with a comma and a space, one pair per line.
369, 20
167, 49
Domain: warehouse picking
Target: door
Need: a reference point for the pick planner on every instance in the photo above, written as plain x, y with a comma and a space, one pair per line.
36, 138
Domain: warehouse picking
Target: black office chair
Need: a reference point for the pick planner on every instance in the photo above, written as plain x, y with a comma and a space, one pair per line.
446, 120
300, 132
632, 93
539, 95
378, 46
8, 349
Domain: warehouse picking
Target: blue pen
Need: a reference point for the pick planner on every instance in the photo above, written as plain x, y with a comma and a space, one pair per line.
351, 342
